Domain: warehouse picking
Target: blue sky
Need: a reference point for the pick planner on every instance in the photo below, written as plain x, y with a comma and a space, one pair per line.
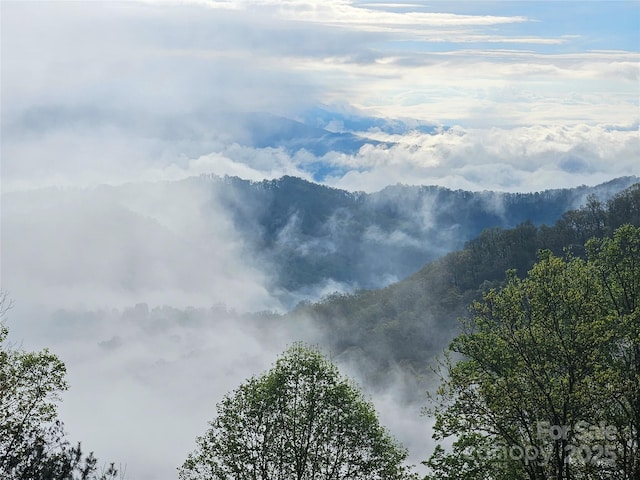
595, 25
601, 25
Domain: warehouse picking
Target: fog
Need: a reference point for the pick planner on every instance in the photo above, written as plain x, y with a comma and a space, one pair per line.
145, 384
140, 290
142, 385
136, 276
111, 248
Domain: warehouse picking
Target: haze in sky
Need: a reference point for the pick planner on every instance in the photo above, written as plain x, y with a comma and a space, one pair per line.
512, 96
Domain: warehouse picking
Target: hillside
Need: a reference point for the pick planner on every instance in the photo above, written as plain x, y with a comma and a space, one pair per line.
310, 234
408, 323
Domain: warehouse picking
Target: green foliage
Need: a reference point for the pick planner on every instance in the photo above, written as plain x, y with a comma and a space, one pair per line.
560, 347
44, 453
300, 420
616, 262
472, 458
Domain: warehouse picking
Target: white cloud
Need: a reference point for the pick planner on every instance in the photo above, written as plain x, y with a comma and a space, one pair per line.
235, 160
525, 158
516, 159
174, 58
343, 12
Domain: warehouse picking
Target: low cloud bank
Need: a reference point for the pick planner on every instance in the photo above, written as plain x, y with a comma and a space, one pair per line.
521, 159
518, 159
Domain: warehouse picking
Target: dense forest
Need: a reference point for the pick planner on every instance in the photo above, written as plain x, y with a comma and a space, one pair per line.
309, 233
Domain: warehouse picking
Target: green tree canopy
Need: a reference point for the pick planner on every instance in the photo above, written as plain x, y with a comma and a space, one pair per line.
548, 381
300, 420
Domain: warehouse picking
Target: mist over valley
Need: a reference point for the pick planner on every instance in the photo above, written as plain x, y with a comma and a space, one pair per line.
174, 291
191, 189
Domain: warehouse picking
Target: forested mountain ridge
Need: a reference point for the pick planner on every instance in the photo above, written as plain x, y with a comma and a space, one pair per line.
312, 233
292, 238
408, 323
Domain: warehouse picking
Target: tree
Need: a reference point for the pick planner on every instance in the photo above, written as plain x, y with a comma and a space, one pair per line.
30, 382
33, 445
548, 381
43, 452
616, 261
624, 208
300, 420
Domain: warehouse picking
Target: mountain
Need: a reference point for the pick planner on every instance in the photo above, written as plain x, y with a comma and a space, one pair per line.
311, 234
285, 240
404, 326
